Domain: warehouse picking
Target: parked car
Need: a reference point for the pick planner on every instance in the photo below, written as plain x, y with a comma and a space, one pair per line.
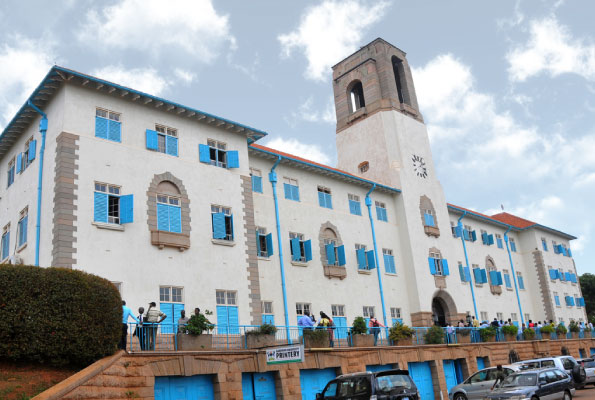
589, 366
478, 385
565, 363
549, 383
384, 385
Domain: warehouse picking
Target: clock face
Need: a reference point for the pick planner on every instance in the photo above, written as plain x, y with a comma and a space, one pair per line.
419, 166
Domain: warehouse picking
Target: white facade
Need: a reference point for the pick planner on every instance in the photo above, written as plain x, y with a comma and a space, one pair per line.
142, 258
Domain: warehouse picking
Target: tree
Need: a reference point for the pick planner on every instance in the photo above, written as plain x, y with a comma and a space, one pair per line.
587, 282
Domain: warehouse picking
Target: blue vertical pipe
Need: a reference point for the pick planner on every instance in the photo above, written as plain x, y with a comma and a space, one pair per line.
369, 205
516, 289
273, 180
43, 127
460, 227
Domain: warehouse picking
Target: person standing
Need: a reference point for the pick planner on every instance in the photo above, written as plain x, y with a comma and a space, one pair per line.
305, 321
126, 313
182, 322
327, 322
140, 330
375, 326
153, 318
474, 322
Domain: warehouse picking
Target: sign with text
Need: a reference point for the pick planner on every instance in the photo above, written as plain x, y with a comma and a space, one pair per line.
288, 354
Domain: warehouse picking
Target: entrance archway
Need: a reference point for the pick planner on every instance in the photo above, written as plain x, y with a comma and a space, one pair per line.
444, 309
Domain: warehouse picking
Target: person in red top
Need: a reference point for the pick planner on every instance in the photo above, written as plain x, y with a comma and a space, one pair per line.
375, 326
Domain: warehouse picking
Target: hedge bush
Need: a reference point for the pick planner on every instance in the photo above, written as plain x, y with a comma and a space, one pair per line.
57, 316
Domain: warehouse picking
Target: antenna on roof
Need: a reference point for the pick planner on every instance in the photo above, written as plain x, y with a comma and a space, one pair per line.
502, 207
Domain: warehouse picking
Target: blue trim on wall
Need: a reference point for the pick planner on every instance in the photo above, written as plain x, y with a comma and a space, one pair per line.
369, 205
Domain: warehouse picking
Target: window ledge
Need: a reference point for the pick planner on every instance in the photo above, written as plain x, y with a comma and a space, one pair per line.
222, 242
260, 258
170, 239
364, 271
299, 263
431, 231
112, 227
23, 246
390, 274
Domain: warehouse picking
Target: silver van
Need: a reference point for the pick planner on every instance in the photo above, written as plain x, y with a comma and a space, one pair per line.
478, 385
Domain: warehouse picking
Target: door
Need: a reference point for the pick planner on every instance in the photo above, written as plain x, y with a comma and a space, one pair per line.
450, 374
340, 327
421, 373
313, 381
258, 386
199, 387
174, 313
227, 320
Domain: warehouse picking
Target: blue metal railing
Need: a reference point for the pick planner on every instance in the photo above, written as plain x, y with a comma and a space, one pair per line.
164, 337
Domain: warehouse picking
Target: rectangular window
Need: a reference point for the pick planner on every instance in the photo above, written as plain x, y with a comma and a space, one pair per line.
335, 255
222, 222
487, 239
226, 297
389, 261
368, 311
381, 211
484, 316
520, 281
499, 241
256, 180
557, 299
514, 316
11, 169
453, 229
479, 274
29, 153
5, 242
365, 259
108, 125
169, 213
555, 247
267, 307
512, 245
507, 280
301, 308
291, 189
163, 140
171, 294
325, 198
217, 153
301, 250
438, 265
338, 310
544, 244
355, 207
22, 227
264, 243
429, 219
395, 312
110, 207
500, 316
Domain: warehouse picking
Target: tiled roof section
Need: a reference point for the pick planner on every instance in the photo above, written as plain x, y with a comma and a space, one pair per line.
513, 220
470, 211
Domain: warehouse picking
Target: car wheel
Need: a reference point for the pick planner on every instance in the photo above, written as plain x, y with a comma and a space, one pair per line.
460, 396
567, 395
578, 374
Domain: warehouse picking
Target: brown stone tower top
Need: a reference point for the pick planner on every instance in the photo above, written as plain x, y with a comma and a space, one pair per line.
374, 78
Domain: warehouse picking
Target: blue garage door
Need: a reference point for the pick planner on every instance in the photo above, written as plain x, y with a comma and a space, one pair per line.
450, 373
258, 386
592, 351
481, 363
198, 387
313, 381
340, 327
378, 368
421, 373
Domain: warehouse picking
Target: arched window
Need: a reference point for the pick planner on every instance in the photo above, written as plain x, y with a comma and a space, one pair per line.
428, 216
332, 251
399, 72
495, 285
356, 96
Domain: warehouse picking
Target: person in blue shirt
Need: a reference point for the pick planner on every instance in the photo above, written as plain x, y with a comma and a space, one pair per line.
305, 321
126, 312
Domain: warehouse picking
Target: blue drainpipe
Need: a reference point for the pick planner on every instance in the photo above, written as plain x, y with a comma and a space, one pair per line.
369, 205
460, 228
516, 290
43, 127
273, 180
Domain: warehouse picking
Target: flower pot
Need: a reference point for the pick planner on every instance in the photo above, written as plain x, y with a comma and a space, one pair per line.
574, 335
362, 340
510, 338
256, 341
545, 335
194, 343
403, 342
463, 338
317, 341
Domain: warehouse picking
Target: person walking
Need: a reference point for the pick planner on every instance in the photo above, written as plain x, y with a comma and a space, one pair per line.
327, 322
126, 313
499, 376
154, 317
182, 322
375, 326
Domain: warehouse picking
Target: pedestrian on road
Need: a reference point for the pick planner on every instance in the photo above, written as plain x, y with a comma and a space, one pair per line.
126, 312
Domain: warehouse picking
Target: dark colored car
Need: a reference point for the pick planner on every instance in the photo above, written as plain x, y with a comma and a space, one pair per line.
394, 384
531, 384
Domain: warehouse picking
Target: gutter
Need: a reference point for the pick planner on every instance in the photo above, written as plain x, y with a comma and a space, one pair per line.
516, 289
460, 227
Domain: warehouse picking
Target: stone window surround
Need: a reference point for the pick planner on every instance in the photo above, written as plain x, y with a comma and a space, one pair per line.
426, 204
491, 266
330, 271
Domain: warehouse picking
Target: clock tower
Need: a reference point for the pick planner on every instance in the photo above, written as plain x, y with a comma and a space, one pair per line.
381, 136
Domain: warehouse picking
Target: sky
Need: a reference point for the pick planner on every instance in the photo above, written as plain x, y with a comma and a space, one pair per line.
506, 88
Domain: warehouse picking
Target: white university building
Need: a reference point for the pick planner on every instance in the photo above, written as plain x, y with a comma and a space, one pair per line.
184, 208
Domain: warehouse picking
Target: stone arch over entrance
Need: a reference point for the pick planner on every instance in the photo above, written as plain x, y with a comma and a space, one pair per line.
444, 309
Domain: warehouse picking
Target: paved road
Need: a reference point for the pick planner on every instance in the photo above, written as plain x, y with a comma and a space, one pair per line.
585, 394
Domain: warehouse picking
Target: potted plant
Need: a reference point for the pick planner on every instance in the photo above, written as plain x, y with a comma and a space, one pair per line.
359, 336
546, 331
401, 335
464, 335
316, 338
263, 336
197, 336
561, 331
488, 334
528, 334
510, 332
434, 335
574, 329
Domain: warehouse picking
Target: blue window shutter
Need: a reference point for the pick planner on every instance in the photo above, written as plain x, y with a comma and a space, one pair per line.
477, 275
569, 252
268, 319
430, 219
557, 300
19, 163
473, 236
295, 192
115, 131
378, 212
269, 240
175, 219
458, 231
163, 217
257, 184
222, 320
233, 159
507, 280
341, 254
553, 273
432, 265
330, 254
467, 274
258, 235
321, 201
351, 207
358, 208
462, 273
308, 249
24, 228
370, 258
567, 276
389, 264
126, 209
329, 201
171, 145
493, 278
484, 238
100, 207
5, 245
490, 239
427, 220
361, 258
152, 142
295, 248
204, 153
101, 127
466, 234
287, 189
231, 224
521, 282
499, 241
582, 299
219, 226
234, 320
32, 146
445, 270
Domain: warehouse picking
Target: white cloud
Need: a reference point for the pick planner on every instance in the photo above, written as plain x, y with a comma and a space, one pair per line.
551, 49
185, 76
144, 79
308, 112
23, 65
331, 31
193, 26
293, 146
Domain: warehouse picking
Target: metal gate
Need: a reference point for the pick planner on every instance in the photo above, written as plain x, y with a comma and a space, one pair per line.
198, 387
313, 381
258, 386
421, 373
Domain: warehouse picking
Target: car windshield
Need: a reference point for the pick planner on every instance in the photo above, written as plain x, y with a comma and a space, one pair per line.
387, 383
519, 380
590, 364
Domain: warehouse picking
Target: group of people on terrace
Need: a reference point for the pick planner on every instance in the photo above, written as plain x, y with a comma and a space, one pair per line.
308, 321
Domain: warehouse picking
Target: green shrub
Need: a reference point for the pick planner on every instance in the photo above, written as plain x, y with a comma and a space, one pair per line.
316, 335
359, 326
528, 334
547, 329
487, 333
434, 335
264, 329
573, 327
400, 331
560, 329
197, 324
57, 316
510, 330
